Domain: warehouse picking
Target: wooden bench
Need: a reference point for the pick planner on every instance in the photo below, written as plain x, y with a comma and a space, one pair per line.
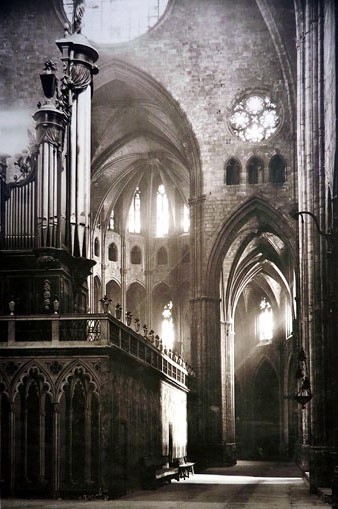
157, 470
185, 467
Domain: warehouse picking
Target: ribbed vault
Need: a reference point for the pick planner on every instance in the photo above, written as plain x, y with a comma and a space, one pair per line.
139, 134
253, 252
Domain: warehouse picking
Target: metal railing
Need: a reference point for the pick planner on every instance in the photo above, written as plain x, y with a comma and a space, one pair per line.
99, 330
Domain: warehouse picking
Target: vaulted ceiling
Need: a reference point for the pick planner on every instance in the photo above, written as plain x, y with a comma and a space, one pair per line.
137, 134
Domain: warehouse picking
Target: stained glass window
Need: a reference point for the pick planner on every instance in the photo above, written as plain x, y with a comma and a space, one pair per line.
167, 325
162, 212
186, 218
134, 219
111, 221
265, 321
255, 118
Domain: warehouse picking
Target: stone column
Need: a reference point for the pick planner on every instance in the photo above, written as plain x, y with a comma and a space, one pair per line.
123, 276
228, 393
42, 439
207, 436
12, 445
88, 439
25, 440
312, 245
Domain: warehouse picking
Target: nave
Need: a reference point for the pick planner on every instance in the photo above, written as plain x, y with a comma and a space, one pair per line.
249, 484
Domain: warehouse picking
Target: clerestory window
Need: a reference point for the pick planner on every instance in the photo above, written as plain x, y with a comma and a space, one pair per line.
134, 218
96, 247
162, 256
111, 225
168, 325
162, 224
136, 256
186, 219
112, 252
265, 321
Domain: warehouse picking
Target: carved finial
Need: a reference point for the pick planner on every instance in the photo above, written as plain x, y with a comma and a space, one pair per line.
66, 29
49, 65
79, 9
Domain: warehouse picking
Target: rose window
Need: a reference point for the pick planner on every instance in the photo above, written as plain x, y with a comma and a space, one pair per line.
255, 118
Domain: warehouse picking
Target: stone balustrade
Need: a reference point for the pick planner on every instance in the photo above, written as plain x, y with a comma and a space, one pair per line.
90, 331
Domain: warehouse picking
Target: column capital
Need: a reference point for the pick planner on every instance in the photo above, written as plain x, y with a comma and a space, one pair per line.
195, 200
205, 298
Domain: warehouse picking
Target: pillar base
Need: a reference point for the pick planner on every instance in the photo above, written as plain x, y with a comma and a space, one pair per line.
229, 454
213, 455
303, 458
321, 467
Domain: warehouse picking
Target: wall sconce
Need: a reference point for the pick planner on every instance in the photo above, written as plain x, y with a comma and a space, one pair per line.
301, 213
304, 394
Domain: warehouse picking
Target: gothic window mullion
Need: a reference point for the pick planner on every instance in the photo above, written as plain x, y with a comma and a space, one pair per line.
42, 438
56, 449
88, 437
69, 435
25, 435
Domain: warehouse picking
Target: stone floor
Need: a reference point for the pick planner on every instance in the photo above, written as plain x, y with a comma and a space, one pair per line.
250, 485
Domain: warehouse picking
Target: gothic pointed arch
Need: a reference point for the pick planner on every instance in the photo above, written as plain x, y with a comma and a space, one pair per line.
232, 172
136, 123
260, 256
162, 256
4, 383
113, 291
262, 361
266, 219
278, 39
78, 371
97, 293
33, 371
254, 166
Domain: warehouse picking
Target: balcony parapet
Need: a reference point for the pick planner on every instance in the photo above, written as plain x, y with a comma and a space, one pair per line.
88, 331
